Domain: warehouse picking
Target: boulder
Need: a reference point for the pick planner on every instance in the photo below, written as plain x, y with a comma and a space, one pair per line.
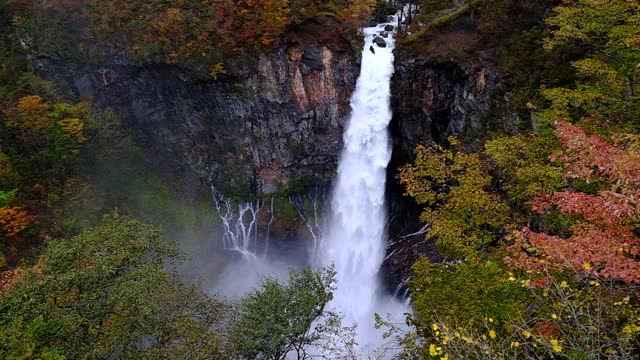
380, 42
384, 34
389, 28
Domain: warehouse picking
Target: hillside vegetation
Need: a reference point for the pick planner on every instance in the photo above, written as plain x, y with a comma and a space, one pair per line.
537, 229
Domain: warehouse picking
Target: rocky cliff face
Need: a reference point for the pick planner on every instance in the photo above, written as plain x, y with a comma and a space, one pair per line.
431, 100
251, 133
279, 124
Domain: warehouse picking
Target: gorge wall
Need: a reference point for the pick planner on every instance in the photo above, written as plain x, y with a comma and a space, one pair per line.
278, 124
276, 121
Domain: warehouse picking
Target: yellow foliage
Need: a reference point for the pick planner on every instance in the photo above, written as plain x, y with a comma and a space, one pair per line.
74, 128
453, 185
31, 113
218, 69
555, 345
434, 350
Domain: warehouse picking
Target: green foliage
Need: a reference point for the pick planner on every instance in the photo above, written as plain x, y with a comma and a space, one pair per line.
524, 167
9, 177
30, 341
443, 292
605, 93
383, 9
110, 290
464, 216
278, 318
283, 209
530, 67
584, 320
7, 197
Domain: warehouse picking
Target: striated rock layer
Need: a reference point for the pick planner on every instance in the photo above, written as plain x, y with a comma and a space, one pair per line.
278, 120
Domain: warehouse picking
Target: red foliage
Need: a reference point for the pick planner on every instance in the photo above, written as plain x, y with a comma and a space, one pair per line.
603, 242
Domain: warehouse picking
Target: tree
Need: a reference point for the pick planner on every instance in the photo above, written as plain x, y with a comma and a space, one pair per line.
524, 170
112, 297
280, 318
360, 11
464, 216
603, 240
22, 341
606, 91
195, 33
41, 143
443, 291
581, 320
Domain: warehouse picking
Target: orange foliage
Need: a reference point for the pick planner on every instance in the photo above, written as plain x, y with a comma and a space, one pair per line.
31, 113
194, 32
603, 241
14, 219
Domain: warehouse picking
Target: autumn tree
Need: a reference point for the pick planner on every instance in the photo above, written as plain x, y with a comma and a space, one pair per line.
582, 319
522, 165
14, 220
193, 33
606, 92
603, 240
453, 185
44, 142
360, 11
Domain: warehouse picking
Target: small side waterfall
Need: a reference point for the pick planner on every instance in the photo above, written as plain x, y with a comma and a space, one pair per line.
309, 209
355, 241
240, 226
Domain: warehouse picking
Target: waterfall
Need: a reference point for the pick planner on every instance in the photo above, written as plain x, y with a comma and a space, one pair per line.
355, 239
240, 228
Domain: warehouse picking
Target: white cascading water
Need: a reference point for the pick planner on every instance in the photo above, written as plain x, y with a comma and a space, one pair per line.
355, 239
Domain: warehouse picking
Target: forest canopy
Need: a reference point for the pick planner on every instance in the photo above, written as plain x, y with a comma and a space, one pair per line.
186, 32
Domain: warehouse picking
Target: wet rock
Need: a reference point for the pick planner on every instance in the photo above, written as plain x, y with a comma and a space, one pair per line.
380, 42
311, 60
389, 28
